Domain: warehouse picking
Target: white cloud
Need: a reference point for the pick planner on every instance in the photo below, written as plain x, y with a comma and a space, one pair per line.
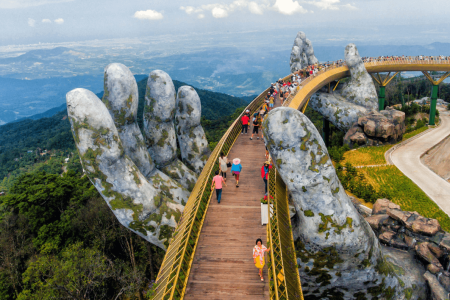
222, 10
46, 21
31, 22
190, 9
148, 15
349, 6
255, 8
28, 3
289, 7
219, 12
59, 21
326, 4
332, 5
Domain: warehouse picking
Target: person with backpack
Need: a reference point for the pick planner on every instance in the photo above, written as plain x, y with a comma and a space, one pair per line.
236, 169
217, 183
223, 165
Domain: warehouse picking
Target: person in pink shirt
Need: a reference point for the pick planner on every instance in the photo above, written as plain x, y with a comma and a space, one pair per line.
217, 182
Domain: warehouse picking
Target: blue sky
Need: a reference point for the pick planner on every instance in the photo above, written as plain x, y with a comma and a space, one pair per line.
324, 21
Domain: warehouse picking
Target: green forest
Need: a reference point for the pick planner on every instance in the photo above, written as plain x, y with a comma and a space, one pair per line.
58, 237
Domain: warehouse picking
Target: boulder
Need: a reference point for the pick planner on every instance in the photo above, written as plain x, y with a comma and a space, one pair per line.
444, 280
386, 237
409, 271
424, 252
382, 205
410, 241
425, 226
438, 252
445, 242
433, 269
437, 291
399, 215
376, 221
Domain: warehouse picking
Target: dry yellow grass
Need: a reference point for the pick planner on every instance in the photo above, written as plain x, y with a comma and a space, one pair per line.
366, 204
366, 156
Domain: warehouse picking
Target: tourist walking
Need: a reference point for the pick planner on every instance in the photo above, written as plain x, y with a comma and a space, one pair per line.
256, 122
236, 169
265, 174
245, 118
258, 256
217, 183
223, 165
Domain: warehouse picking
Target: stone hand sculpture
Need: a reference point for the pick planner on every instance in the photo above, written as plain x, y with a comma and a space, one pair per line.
139, 176
337, 252
302, 54
355, 99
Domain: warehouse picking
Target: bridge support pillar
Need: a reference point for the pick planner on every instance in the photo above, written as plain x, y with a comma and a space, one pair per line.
381, 98
434, 94
326, 132
433, 102
383, 83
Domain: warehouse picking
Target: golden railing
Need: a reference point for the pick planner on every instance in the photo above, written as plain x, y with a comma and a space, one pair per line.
174, 272
282, 263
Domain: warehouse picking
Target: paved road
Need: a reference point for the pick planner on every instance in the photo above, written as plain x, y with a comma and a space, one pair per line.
407, 159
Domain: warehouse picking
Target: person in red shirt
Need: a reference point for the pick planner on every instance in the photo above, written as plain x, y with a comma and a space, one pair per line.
265, 173
245, 118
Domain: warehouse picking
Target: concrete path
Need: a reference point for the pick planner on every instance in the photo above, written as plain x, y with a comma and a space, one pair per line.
407, 159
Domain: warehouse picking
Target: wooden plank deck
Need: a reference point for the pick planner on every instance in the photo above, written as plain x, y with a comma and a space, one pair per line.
223, 265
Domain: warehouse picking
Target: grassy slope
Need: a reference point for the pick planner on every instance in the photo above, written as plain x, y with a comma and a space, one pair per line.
390, 180
402, 191
367, 156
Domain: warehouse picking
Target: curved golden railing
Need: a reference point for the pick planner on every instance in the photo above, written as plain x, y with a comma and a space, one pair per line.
339, 71
174, 272
282, 263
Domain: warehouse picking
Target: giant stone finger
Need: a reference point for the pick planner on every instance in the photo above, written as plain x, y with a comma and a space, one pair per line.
159, 113
122, 99
136, 203
328, 222
191, 137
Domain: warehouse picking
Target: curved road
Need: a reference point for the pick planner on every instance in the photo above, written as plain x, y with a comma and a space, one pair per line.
407, 159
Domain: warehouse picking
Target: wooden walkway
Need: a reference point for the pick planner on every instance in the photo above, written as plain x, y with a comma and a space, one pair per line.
223, 265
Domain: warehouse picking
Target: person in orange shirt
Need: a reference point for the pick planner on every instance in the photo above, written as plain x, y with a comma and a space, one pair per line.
245, 118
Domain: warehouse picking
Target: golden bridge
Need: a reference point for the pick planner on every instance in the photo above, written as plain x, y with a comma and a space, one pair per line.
210, 253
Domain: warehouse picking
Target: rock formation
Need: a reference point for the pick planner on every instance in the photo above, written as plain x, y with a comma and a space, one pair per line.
146, 196
377, 128
355, 99
302, 54
338, 253
420, 236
